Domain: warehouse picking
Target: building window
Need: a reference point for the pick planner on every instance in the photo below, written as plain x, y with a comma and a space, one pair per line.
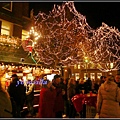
75, 66
77, 76
6, 28
7, 6
92, 76
25, 34
111, 65
78, 66
99, 75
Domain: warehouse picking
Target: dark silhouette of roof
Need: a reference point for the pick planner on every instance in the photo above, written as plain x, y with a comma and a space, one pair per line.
10, 54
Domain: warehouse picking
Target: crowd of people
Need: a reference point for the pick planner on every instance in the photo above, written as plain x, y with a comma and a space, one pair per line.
66, 89
55, 97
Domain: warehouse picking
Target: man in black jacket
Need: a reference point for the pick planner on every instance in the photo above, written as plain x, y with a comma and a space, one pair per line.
17, 93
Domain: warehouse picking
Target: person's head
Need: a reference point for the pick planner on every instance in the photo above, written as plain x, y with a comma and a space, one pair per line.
45, 77
71, 82
46, 84
103, 78
117, 78
64, 82
14, 76
81, 81
57, 79
110, 78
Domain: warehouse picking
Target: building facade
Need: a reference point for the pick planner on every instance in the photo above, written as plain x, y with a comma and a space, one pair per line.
82, 71
15, 23
14, 19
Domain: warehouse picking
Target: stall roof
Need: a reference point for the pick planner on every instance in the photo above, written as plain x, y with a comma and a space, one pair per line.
15, 55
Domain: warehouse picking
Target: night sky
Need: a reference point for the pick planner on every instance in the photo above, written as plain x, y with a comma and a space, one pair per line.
95, 12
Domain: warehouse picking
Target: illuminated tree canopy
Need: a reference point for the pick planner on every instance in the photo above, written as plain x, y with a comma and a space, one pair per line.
65, 38
62, 31
106, 49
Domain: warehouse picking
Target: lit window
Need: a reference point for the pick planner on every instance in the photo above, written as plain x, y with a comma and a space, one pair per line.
7, 6
4, 32
6, 28
92, 76
24, 34
85, 76
99, 75
75, 66
77, 76
111, 65
78, 66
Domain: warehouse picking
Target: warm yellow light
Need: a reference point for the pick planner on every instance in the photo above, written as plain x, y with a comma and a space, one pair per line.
36, 38
65, 70
86, 59
36, 34
111, 65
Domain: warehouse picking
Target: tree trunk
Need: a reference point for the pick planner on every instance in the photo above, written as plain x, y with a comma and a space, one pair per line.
55, 65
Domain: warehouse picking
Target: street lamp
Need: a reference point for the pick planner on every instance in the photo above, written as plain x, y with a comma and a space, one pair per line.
86, 60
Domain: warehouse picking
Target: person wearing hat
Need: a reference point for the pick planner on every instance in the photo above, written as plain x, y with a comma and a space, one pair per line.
17, 95
59, 101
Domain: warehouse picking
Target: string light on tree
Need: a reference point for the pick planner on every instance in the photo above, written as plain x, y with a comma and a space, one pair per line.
62, 30
106, 49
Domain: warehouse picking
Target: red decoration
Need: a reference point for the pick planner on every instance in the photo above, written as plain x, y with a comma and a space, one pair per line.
29, 48
79, 100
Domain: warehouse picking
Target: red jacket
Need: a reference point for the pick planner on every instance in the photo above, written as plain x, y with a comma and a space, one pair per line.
46, 103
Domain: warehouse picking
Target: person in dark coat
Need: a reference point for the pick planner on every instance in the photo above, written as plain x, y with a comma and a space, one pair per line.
80, 86
96, 87
71, 91
66, 104
47, 101
88, 86
59, 102
17, 91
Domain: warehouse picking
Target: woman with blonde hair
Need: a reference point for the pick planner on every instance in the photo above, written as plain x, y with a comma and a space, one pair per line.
5, 103
108, 99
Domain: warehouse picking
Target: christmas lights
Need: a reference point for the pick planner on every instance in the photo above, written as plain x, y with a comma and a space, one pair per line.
106, 48
62, 31
64, 37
